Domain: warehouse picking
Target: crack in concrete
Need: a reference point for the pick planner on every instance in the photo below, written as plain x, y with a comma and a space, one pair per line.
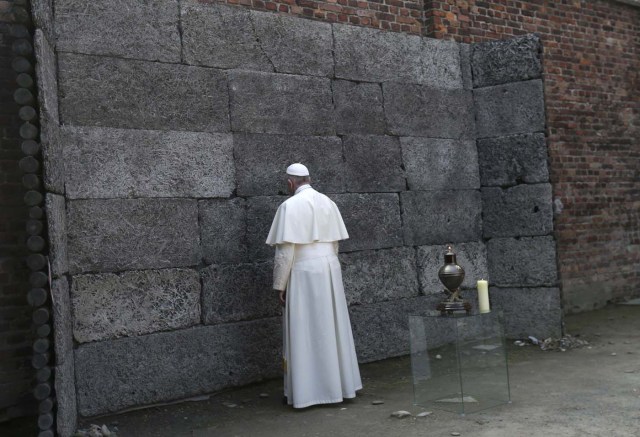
257, 38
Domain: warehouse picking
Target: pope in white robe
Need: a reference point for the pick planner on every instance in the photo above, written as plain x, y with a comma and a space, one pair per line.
320, 363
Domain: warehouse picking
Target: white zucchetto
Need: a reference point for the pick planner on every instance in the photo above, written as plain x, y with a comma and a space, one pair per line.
297, 169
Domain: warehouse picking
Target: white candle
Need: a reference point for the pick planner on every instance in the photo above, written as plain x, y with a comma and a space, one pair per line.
483, 296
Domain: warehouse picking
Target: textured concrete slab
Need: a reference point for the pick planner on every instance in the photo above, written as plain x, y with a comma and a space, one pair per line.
440, 164
112, 163
373, 164
522, 262
57, 234
260, 213
465, 66
127, 28
261, 162
176, 364
513, 108
280, 104
441, 217
542, 318
62, 320
359, 107
108, 305
378, 276
127, 234
42, 15
523, 210
66, 402
110, 92
223, 227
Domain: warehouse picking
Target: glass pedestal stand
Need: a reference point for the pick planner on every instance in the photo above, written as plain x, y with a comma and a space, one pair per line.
459, 363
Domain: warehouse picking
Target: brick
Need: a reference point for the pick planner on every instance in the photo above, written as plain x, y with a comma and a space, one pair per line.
522, 262
373, 164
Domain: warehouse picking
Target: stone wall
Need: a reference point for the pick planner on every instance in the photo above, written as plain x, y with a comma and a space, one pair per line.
166, 149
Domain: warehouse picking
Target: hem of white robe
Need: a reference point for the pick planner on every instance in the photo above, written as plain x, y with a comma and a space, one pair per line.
330, 401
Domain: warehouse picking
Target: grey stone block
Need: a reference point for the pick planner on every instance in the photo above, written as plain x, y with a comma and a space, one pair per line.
101, 91
529, 311
472, 257
111, 163
174, 365
415, 110
238, 292
57, 233
280, 104
513, 108
518, 262
373, 164
127, 234
42, 14
262, 160
62, 324
503, 61
260, 213
109, 305
127, 28
465, 66
358, 107
523, 210
372, 55
441, 217
66, 401
380, 275
223, 227
513, 159
440, 164
372, 220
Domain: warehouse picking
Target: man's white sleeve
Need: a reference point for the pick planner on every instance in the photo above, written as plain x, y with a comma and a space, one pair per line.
282, 264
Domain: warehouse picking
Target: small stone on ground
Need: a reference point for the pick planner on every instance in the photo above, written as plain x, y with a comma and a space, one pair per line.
377, 402
400, 414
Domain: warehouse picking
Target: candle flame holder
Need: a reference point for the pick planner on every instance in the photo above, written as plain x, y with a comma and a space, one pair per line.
451, 275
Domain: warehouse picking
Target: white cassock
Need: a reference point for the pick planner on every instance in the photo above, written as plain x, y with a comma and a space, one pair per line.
320, 363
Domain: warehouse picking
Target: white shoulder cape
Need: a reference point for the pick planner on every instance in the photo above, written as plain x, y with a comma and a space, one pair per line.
307, 217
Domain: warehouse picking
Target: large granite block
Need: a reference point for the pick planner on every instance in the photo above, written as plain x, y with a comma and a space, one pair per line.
280, 104
260, 213
373, 164
127, 234
529, 311
261, 162
57, 234
513, 108
42, 14
358, 107
513, 159
372, 220
174, 365
523, 210
62, 320
66, 401
472, 257
509, 60
108, 305
380, 275
223, 227
522, 262
416, 110
465, 66
440, 164
101, 91
126, 28
441, 217
110, 163
371, 55
238, 292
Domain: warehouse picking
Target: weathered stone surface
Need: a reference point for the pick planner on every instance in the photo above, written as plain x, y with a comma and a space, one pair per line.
110, 163
542, 317
465, 66
260, 213
371, 55
127, 28
238, 292
173, 365
57, 233
513, 159
508, 60
261, 161
109, 305
223, 226
441, 217
380, 275
513, 108
358, 107
415, 110
523, 210
528, 261
126, 234
280, 104
62, 325
101, 91
472, 257
440, 164
42, 13
372, 220
373, 164
66, 403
